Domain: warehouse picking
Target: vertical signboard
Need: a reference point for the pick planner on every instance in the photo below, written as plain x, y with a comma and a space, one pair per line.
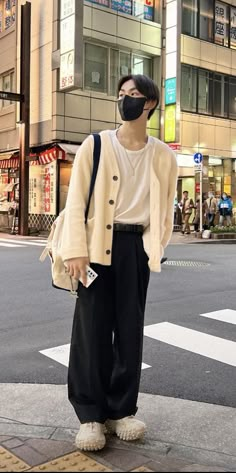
172, 72
42, 189
71, 44
233, 27
170, 91
221, 23
170, 118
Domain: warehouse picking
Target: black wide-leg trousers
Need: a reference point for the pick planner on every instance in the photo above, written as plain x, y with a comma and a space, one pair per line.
107, 335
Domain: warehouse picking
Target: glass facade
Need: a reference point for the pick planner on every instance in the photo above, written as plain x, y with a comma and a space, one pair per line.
189, 17
7, 14
104, 66
207, 92
189, 88
143, 9
210, 20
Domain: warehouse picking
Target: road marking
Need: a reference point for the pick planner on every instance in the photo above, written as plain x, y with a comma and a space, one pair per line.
62, 352
226, 315
20, 242
10, 245
200, 343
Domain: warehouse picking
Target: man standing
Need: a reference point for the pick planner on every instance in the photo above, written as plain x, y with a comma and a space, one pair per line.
211, 209
186, 206
129, 224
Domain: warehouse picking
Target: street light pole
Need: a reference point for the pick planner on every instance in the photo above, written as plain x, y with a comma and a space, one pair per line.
24, 118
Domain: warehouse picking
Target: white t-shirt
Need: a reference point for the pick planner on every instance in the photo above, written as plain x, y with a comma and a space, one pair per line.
133, 201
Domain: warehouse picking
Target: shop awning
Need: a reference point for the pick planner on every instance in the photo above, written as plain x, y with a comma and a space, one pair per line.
49, 155
60, 151
9, 160
69, 149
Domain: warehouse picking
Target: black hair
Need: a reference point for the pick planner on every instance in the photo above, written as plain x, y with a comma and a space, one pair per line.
144, 85
185, 192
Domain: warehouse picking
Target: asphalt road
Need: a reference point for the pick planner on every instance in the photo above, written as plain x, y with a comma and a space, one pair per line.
34, 317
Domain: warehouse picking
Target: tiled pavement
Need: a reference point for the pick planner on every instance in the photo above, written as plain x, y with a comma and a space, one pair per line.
19, 454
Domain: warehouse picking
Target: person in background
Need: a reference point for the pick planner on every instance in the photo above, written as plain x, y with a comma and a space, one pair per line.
187, 206
225, 207
211, 209
197, 208
230, 198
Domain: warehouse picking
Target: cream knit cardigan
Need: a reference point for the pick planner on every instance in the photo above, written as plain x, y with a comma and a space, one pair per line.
95, 239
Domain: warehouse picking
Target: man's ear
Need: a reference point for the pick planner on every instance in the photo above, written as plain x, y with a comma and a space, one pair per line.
150, 104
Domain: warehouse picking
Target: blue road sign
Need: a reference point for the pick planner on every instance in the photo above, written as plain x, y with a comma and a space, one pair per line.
197, 158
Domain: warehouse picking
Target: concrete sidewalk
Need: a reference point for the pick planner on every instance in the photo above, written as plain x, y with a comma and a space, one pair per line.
38, 427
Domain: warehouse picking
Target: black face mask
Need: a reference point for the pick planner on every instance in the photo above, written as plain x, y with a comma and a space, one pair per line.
131, 108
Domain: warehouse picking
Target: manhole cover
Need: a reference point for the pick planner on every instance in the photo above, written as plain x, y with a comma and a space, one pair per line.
192, 264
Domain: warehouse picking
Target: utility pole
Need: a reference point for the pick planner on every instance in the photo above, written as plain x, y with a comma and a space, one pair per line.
24, 117
24, 98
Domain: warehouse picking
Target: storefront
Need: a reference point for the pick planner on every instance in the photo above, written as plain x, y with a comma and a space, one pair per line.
218, 176
49, 177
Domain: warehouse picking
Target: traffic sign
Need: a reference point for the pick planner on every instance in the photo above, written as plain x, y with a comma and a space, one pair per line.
197, 158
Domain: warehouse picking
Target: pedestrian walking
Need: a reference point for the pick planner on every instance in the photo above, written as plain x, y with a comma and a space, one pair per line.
129, 224
211, 209
225, 207
186, 206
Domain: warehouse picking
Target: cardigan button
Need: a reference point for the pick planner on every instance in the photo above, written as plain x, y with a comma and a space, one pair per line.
109, 227
115, 178
111, 202
108, 252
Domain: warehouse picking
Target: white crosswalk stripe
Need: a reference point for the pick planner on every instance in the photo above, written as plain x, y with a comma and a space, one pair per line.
194, 341
10, 245
61, 355
14, 243
200, 343
226, 315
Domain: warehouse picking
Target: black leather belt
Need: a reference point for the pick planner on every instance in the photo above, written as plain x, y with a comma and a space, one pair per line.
127, 227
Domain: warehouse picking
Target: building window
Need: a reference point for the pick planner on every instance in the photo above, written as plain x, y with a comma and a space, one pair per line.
143, 9
232, 98
125, 64
205, 92
6, 85
189, 17
221, 95
96, 68
206, 20
210, 20
208, 93
141, 65
7, 14
121, 63
189, 88
221, 24
114, 71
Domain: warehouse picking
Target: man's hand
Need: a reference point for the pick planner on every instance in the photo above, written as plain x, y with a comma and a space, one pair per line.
76, 268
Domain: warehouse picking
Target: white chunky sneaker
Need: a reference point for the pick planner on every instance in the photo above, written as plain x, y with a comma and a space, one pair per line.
127, 428
91, 437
